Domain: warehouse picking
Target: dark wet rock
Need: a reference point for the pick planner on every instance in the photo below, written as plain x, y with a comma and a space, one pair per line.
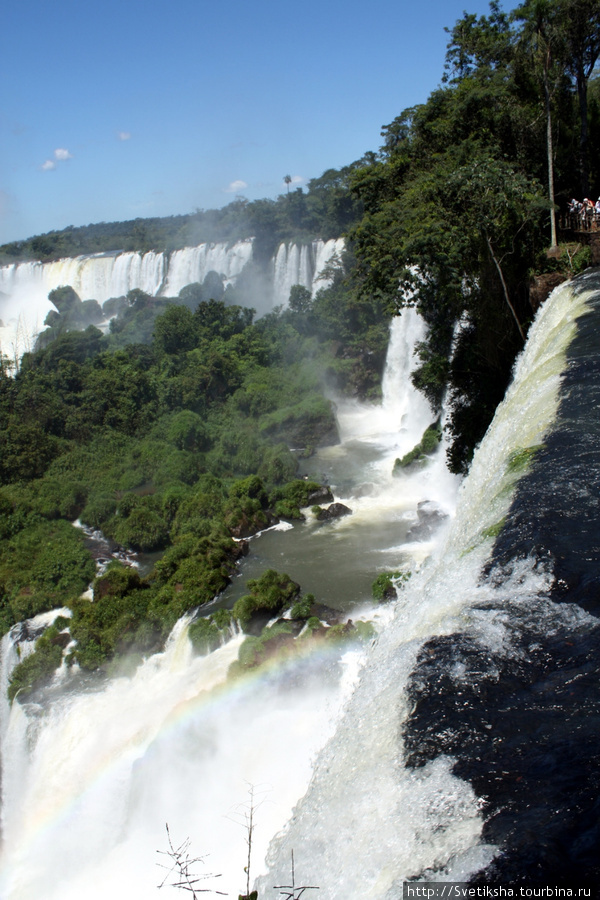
241, 548
325, 613
248, 526
63, 639
542, 286
26, 631
335, 511
430, 518
323, 495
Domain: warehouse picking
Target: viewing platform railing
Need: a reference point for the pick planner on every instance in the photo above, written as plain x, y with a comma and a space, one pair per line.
583, 221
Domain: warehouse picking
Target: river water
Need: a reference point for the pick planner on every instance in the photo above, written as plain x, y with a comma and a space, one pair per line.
338, 560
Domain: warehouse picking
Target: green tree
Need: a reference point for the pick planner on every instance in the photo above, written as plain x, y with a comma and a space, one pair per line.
579, 23
300, 300
175, 330
541, 36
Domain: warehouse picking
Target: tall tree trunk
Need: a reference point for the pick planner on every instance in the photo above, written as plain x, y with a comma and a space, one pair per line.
584, 168
550, 151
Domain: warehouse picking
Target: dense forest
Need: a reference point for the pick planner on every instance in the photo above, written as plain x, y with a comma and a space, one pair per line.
174, 431
458, 205
326, 210
171, 446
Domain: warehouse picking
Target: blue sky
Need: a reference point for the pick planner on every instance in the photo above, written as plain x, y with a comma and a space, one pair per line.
116, 110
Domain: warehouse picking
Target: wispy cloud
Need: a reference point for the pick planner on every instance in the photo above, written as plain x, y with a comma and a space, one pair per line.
235, 187
124, 135
297, 179
60, 155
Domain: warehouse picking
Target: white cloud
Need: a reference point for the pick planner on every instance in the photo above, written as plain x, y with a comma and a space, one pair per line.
123, 135
62, 153
297, 179
48, 165
235, 187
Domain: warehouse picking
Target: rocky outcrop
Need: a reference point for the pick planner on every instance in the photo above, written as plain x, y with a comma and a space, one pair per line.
335, 511
430, 517
250, 525
541, 286
323, 495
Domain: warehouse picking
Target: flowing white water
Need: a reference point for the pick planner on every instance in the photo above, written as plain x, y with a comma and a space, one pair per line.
310, 265
339, 560
24, 287
89, 782
367, 823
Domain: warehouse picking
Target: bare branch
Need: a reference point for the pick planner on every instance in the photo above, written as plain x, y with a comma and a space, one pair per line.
291, 891
181, 869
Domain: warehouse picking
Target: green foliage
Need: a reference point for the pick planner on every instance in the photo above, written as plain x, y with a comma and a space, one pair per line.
301, 609
384, 586
272, 641
521, 459
38, 668
208, 634
312, 624
174, 430
455, 208
269, 595
306, 422
425, 448
72, 315
300, 300
116, 621
187, 431
44, 565
350, 632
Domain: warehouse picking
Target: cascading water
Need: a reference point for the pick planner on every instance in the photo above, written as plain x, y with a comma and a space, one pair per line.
425, 776
340, 560
91, 778
94, 775
305, 264
24, 287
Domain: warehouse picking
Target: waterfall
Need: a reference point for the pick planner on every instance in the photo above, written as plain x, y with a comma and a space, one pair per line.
194, 263
310, 265
386, 803
24, 287
91, 780
392, 416
359, 764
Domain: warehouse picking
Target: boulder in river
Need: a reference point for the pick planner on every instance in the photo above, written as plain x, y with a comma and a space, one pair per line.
323, 495
430, 517
335, 511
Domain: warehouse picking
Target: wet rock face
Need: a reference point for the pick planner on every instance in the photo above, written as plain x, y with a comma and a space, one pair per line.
247, 526
430, 518
335, 511
323, 495
542, 286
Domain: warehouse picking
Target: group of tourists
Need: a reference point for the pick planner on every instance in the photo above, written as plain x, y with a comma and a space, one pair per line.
584, 214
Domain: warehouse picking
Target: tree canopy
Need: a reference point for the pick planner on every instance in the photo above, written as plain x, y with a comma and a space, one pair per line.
457, 201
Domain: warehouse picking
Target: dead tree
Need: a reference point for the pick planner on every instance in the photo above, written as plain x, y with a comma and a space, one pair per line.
180, 872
